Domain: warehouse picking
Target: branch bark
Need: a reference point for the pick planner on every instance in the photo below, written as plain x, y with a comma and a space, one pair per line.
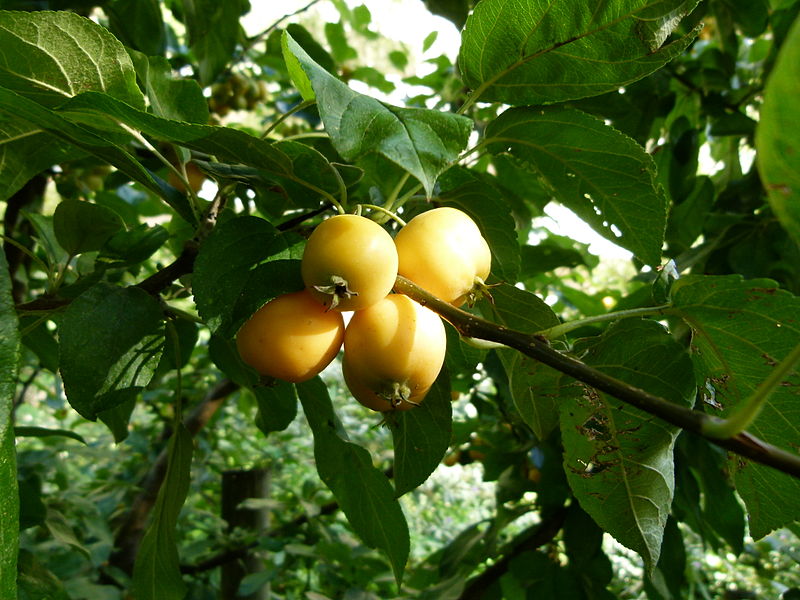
532, 538
469, 325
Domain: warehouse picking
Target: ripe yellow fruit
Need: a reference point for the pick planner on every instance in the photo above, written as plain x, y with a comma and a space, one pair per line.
291, 337
442, 251
393, 352
349, 263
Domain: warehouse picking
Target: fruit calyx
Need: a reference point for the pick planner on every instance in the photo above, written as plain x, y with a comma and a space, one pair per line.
480, 290
397, 394
338, 289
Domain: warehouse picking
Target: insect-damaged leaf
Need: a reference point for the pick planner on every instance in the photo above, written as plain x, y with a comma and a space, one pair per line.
618, 459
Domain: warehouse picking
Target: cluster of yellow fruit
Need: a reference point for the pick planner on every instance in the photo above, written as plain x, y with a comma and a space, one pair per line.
394, 348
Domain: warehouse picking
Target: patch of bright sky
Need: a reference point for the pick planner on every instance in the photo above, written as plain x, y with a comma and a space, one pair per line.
409, 22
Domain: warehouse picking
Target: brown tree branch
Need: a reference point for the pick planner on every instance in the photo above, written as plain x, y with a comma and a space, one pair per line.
469, 325
532, 538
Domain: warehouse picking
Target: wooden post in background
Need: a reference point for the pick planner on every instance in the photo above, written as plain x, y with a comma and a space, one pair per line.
238, 486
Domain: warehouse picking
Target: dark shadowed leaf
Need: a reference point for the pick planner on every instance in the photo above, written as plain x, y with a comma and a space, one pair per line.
111, 339
743, 329
156, 573
138, 24
9, 496
534, 387
26, 150
39, 117
619, 460
234, 268
490, 211
521, 52
81, 226
213, 29
363, 492
277, 406
421, 436
45, 432
614, 192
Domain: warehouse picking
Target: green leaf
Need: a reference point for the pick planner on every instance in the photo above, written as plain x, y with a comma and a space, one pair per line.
81, 226
743, 329
337, 40
234, 272
41, 341
296, 73
454, 10
778, 133
156, 573
42, 432
26, 150
605, 177
9, 496
36, 582
668, 580
277, 406
363, 492
421, 436
138, 24
52, 56
534, 387
719, 512
178, 99
54, 124
618, 459
525, 52
213, 29
536, 391
277, 402
111, 340
134, 246
118, 417
293, 164
58, 526
421, 141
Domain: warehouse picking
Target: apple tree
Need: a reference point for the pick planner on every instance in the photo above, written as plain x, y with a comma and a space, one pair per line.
161, 169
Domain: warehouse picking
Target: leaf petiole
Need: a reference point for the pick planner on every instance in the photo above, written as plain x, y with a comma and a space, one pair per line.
385, 211
563, 328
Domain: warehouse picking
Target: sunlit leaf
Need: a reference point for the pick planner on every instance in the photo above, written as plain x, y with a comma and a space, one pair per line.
604, 176
778, 135
52, 56
423, 142
525, 52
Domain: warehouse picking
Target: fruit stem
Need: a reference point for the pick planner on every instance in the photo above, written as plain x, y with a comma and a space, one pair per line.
385, 211
389, 204
721, 429
563, 328
295, 109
